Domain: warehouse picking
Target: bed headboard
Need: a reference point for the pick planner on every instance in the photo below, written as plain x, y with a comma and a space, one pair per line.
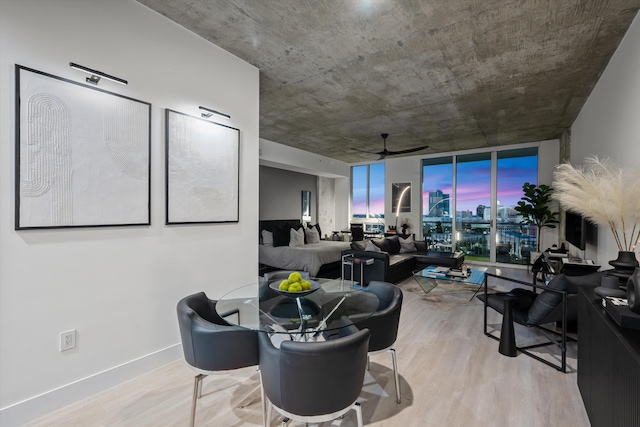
272, 224
280, 229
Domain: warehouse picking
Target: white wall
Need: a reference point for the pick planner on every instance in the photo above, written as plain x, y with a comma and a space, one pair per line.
277, 155
284, 157
281, 194
117, 286
609, 123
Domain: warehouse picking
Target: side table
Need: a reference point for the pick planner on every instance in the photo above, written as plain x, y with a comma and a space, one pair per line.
349, 260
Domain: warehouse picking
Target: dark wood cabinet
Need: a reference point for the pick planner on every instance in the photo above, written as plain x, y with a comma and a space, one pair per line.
608, 365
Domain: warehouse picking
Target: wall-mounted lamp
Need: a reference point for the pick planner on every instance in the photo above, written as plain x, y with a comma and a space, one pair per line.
210, 112
96, 75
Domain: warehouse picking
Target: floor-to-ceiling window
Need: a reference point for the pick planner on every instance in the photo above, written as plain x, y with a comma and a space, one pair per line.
473, 205
367, 195
482, 190
514, 242
437, 203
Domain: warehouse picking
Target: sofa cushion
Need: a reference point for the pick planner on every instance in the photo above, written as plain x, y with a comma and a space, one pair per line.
359, 245
371, 247
390, 245
407, 245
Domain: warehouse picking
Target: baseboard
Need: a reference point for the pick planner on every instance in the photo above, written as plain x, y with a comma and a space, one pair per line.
38, 406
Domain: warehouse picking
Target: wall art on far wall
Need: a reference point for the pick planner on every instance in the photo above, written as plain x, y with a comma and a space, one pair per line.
401, 196
202, 170
82, 154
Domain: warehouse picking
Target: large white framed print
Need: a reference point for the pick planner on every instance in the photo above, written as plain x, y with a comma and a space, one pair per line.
82, 155
202, 170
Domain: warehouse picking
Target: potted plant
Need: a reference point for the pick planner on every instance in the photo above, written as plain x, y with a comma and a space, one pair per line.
534, 207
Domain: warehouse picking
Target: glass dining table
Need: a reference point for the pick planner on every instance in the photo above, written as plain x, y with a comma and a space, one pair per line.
333, 305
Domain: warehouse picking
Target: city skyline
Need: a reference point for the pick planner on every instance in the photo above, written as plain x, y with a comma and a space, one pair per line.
473, 183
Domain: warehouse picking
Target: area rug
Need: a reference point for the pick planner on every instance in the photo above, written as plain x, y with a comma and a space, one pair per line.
446, 296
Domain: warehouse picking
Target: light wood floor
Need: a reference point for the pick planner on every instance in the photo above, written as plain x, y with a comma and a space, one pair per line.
451, 375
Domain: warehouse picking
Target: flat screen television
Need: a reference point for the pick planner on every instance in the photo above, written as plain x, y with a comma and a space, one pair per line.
578, 231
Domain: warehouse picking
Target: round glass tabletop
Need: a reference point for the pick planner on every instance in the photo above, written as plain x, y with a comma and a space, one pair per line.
335, 304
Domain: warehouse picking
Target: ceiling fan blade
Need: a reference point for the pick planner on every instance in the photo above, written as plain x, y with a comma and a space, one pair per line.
364, 151
410, 150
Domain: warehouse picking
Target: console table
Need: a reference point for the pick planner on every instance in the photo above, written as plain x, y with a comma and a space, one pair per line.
608, 365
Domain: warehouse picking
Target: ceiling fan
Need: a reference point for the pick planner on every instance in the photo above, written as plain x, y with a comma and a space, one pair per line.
384, 153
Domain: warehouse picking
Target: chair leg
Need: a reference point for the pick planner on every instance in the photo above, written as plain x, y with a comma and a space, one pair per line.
197, 392
269, 410
358, 409
395, 373
368, 363
262, 403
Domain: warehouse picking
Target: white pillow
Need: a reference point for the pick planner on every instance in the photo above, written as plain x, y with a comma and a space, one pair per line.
312, 235
371, 247
407, 245
267, 238
296, 237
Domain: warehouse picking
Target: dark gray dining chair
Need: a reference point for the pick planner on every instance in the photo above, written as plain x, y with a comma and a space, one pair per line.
313, 382
383, 324
210, 344
357, 232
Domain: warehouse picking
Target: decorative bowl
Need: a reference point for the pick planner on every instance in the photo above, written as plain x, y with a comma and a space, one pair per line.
275, 286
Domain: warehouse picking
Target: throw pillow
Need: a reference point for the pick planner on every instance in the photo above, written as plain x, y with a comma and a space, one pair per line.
312, 235
371, 247
296, 237
407, 245
317, 227
281, 235
383, 244
394, 244
267, 238
359, 245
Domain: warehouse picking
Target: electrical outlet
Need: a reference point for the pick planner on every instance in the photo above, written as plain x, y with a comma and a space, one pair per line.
67, 340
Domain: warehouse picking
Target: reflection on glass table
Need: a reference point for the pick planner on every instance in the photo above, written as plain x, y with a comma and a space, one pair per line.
261, 308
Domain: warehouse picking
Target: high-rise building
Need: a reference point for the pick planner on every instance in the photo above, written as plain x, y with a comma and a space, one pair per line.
438, 203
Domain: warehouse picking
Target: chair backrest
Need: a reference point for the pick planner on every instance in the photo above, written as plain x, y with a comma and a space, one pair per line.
547, 306
208, 342
357, 232
384, 323
314, 378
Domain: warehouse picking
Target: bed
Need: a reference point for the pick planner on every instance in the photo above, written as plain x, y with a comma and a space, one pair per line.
322, 259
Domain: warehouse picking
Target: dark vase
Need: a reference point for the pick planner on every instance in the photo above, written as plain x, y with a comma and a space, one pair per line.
623, 266
633, 291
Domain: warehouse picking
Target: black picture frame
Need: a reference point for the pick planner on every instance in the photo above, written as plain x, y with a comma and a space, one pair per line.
202, 170
82, 155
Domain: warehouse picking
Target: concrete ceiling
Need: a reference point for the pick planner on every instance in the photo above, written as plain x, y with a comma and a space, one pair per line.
451, 74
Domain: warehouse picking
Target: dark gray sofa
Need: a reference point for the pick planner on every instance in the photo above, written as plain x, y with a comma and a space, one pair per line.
390, 265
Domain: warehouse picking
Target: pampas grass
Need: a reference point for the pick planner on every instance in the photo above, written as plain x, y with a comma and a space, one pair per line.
604, 194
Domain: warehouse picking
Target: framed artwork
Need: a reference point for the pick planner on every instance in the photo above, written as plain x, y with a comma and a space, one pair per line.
82, 154
401, 197
306, 206
202, 170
